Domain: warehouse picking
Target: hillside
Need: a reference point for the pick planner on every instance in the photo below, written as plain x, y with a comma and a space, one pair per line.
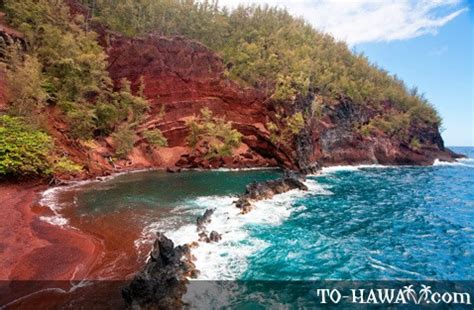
251, 88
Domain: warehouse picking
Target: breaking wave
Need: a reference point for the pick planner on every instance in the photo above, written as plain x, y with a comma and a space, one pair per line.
227, 259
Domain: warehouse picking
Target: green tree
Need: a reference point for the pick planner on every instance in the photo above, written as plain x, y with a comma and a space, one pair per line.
24, 82
124, 139
218, 134
155, 137
23, 150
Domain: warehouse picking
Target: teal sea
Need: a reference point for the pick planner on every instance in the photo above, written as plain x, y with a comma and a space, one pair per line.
355, 223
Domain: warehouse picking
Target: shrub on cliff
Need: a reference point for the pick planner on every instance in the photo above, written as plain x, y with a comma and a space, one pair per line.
123, 138
415, 144
216, 133
64, 165
392, 124
287, 128
23, 149
155, 138
24, 82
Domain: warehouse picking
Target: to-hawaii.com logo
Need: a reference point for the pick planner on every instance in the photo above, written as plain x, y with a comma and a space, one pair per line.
406, 295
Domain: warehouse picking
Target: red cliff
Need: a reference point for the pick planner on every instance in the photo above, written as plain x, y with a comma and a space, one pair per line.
182, 76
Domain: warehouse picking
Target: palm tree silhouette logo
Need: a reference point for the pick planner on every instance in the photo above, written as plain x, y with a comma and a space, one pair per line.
425, 292
410, 293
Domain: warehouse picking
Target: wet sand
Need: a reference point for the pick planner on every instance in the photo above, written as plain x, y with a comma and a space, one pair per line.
33, 250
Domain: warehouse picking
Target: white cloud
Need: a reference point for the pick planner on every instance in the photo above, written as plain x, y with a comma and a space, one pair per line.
359, 21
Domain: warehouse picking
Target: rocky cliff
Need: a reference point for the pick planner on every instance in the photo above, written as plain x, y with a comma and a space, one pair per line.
182, 76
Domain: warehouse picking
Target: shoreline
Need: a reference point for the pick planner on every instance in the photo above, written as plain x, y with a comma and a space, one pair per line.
35, 249
38, 249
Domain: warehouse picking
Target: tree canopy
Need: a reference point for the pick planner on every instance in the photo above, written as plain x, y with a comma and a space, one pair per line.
265, 46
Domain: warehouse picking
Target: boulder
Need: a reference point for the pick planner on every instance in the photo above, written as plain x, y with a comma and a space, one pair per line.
162, 282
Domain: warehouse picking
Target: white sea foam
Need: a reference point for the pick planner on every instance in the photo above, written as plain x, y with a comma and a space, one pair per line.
227, 259
462, 162
465, 160
56, 220
333, 169
50, 199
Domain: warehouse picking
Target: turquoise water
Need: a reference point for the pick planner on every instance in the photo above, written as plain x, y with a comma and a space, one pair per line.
355, 223
158, 189
376, 224
365, 223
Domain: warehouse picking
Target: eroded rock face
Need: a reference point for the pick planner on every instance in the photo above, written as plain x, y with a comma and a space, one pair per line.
162, 282
181, 77
337, 140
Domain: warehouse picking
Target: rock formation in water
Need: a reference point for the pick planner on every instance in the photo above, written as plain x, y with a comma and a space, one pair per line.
266, 190
162, 282
205, 219
201, 223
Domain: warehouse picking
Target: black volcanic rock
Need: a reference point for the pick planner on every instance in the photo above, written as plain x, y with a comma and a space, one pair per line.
215, 236
205, 219
162, 282
266, 190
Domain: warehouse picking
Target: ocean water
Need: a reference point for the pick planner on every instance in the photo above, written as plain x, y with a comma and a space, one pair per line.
355, 223
375, 224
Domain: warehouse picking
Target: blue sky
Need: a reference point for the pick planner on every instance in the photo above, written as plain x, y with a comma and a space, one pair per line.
441, 66
427, 43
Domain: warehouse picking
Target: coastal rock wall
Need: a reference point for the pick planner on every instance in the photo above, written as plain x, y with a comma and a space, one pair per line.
181, 77
337, 139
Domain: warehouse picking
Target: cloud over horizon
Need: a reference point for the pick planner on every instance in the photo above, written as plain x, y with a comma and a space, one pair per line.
363, 21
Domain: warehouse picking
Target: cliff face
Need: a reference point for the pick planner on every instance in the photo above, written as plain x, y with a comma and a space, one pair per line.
337, 139
182, 76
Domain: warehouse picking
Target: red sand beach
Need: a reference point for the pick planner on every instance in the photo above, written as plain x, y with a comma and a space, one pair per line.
35, 250
39, 260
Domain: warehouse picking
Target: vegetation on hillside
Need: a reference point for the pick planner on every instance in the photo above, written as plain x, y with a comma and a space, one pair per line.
64, 66
26, 150
217, 134
71, 69
23, 150
267, 47
155, 138
287, 128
